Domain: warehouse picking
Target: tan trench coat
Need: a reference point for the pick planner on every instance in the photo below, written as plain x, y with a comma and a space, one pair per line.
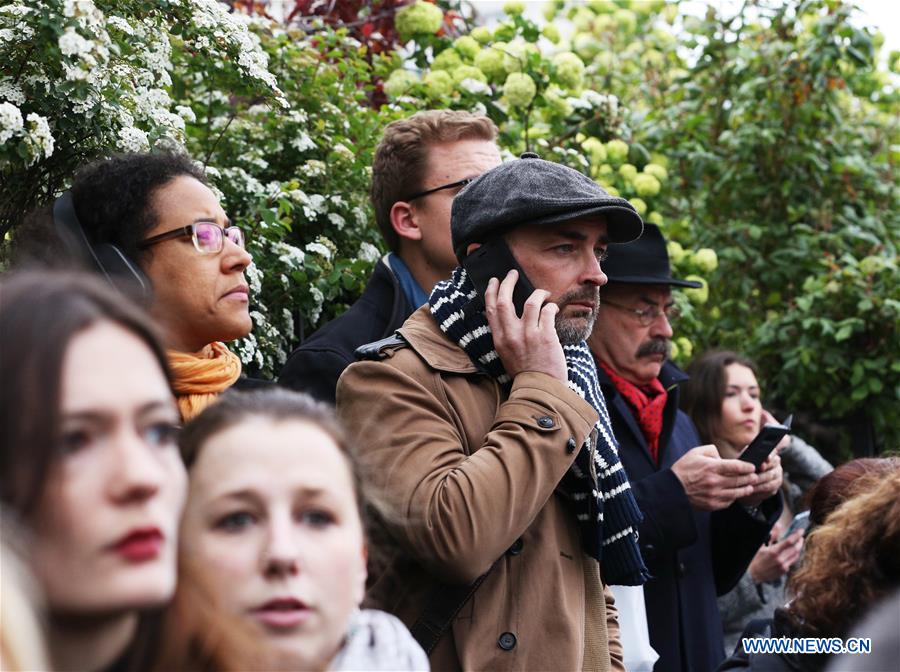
468, 475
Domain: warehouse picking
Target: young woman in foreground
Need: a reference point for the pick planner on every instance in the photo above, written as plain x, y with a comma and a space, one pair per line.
90, 467
274, 524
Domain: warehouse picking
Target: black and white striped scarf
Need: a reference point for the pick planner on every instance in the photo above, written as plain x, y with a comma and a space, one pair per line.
606, 510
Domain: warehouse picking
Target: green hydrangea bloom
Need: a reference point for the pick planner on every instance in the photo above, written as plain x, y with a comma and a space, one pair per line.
700, 294
626, 20
658, 171
420, 18
490, 61
551, 32
467, 72
513, 8
676, 251
448, 59
639, 205
706, 259
583, 19
438, 83
685, 347
515, 56
628, 171
645, 185
569, 69
481, 34
586, 46
556, 101
596, 150
466, 46
604, 24
519, 89
616, 151
399, 82
655, 218
602, 6
612, 191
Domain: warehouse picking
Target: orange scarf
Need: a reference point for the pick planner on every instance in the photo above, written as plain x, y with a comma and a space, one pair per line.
200, 377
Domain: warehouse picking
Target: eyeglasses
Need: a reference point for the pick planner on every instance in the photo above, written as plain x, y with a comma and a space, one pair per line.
648, 316
452, 185
208, 237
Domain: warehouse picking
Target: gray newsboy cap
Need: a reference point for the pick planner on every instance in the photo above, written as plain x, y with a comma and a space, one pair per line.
530, 190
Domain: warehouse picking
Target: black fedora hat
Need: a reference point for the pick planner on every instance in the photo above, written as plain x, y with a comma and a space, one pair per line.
644, 261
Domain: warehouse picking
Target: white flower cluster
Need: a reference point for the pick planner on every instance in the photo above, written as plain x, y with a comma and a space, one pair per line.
133, 139
231, 29
11, 91
368, 252
39, 136
11, 123
320, 249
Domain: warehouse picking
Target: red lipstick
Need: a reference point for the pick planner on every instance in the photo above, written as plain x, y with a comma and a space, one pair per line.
140, 545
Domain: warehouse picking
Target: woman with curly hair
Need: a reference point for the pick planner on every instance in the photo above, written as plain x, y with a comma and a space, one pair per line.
152, 225
851, 561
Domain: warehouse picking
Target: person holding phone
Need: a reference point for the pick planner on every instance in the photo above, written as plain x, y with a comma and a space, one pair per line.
704, 516
505, 507
723, 398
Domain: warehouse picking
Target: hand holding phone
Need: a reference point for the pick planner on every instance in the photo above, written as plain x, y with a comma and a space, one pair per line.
764, 443
800, 522
494, 260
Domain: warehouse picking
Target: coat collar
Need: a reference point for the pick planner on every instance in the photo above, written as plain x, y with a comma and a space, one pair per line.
671, 377
439, 352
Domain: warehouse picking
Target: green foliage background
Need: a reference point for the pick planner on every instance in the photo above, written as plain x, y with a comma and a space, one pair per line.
765, 143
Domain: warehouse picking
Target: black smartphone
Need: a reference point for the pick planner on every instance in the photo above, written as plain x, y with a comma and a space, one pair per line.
765, 442
494, 260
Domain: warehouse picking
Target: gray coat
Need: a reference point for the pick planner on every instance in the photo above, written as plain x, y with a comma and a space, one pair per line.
748, 600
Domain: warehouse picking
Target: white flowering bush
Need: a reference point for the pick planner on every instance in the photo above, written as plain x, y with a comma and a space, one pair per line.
296, 180
83, 77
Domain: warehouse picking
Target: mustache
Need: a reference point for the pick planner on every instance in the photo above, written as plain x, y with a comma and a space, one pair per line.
591, 294
655, 346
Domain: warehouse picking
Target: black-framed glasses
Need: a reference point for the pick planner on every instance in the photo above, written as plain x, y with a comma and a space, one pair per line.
648, 316
208, 237
453, 185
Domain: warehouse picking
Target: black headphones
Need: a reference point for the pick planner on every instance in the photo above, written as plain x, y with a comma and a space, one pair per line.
121, 272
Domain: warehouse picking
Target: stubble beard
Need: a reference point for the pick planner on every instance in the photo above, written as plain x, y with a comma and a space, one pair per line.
574, 330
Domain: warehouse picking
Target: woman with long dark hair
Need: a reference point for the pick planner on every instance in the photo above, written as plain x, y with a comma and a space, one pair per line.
724, 399
89, 465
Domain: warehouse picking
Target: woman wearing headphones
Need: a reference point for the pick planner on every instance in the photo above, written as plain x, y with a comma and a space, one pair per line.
152, 221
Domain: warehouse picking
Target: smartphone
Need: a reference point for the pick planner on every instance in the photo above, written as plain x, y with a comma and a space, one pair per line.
800, 522
494, 260
765, 442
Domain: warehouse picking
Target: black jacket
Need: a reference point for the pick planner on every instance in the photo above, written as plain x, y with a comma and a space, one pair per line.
317, 364
692, 555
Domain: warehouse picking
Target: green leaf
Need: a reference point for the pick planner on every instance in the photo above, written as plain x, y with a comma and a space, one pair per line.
843, 333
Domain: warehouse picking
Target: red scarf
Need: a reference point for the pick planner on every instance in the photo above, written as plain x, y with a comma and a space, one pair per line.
647, 404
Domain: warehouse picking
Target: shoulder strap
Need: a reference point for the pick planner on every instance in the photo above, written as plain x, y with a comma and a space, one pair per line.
376, 350
442, 604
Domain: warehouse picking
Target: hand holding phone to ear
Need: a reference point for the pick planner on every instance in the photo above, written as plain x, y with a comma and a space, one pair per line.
527, 343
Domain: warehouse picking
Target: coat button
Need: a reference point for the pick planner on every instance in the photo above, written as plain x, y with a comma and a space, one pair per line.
507, 641
545, 421
682, 569
649, 550
571, 445
516, 548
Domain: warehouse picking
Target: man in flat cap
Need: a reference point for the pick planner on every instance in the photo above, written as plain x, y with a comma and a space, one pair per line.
484, 433
704, 517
